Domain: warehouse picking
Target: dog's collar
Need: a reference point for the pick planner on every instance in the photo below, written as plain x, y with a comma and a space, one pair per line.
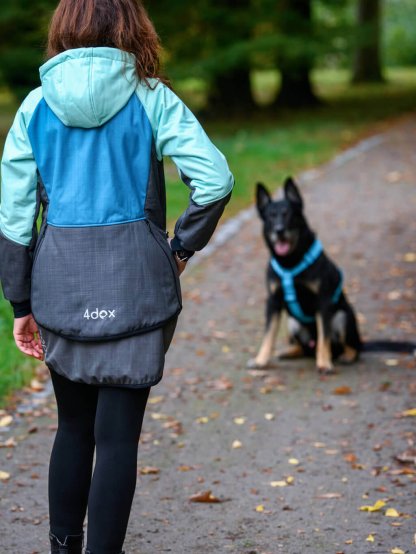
287, 278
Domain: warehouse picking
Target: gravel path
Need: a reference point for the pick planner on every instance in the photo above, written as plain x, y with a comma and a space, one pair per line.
328, 444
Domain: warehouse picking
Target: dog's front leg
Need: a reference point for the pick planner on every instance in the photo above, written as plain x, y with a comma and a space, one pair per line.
272, 327
323, 347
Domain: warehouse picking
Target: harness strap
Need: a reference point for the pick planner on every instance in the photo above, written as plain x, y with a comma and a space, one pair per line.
287, 277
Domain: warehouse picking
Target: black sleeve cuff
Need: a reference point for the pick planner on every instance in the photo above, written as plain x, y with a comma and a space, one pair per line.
176, 246
21, 309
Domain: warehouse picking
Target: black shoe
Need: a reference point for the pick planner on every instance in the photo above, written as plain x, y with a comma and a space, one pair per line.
71, 545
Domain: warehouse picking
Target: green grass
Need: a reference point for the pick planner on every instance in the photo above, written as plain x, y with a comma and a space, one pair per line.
267, 146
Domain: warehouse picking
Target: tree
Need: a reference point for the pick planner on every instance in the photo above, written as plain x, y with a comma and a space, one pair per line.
367, 59
212, 43
23, 27
295, 57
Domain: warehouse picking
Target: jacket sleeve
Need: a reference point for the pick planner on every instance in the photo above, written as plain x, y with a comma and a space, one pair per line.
18, 211
202, 167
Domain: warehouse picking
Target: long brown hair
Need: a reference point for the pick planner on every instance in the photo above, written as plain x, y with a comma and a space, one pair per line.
122, 24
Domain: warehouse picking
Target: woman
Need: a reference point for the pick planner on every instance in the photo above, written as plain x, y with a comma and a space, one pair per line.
97, 292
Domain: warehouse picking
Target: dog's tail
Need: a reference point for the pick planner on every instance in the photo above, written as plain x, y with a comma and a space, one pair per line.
398, 347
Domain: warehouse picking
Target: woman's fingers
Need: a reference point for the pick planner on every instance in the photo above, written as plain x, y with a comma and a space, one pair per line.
26, 336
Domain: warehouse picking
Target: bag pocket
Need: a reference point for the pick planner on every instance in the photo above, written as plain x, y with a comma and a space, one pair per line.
100, 283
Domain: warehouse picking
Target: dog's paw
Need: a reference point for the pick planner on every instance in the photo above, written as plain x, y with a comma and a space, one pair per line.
253, 363
350, 356
326, 370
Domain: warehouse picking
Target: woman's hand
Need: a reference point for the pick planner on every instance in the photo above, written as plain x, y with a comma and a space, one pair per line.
26, 336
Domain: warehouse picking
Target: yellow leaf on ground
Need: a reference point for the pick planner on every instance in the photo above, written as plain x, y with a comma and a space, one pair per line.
155, 399
260, 508
370, 538
278, 483
5, 421
410, 257
148, 470
409, 413
203, 419
290, 480
237, 444
391, 512
240, 420
398, 551
158, 416
269, 417
4, 475
376, 508
294, 462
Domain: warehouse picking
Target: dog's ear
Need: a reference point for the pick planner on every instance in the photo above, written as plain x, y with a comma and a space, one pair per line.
263, 198
292, 193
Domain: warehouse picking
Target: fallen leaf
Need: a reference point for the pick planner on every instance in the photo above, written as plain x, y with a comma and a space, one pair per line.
394, 295
222, 384
4, 475
409, 413
342, 390
290, 480
294, 462
376, 508
407, 457
260, 508
240, 420
9, 443
203, 419
398, 551
5, 421
158, 416
391, 512
348, 541
330, 495
36, 386
149, 470
205, 497
185, 468
350, 457
155, 399
410, 257
392, 362
278, 483
269, 417
370, 538
237, 444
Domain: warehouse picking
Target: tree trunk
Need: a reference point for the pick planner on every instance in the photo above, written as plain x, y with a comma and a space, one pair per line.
295, 60
230, 90
367, 60
230, 93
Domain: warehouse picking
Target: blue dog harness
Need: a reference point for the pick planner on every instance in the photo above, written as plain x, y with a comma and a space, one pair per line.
287, 277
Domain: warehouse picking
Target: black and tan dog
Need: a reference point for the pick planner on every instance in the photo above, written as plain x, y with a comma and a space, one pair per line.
302, 280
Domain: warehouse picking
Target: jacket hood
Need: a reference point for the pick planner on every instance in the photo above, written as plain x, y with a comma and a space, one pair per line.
86, 87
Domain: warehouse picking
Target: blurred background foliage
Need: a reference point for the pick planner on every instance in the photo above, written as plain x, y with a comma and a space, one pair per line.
281, 86
221, 43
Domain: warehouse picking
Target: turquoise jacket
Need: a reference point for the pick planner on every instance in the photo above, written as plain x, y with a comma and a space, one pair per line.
88, 147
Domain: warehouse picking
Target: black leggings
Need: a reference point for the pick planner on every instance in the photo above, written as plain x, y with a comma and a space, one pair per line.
110, 420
